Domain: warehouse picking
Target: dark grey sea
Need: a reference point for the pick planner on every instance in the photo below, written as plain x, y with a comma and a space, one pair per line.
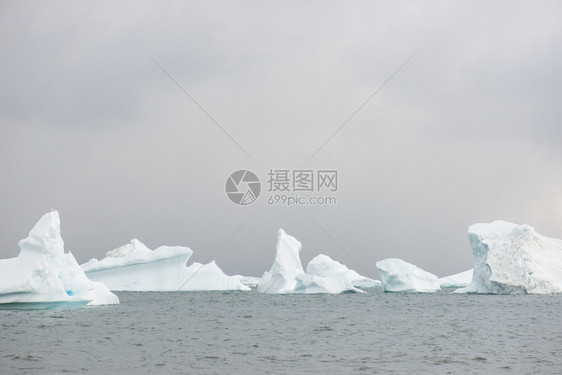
251, 333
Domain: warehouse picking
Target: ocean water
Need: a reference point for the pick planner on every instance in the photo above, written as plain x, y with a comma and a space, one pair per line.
251, 333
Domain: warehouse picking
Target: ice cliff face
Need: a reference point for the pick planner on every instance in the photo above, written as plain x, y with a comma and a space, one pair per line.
287, 275
324, 266
400, 276
45, 276
513, 259
134, 267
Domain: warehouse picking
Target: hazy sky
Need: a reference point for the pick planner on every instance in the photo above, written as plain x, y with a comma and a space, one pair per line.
469, 130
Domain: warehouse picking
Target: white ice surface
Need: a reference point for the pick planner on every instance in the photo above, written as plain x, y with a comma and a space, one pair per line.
44, 275
400, 276
282, 277
310, 284
210, 277
250, 281
134, 267
457, 280
324, 266
287, 275
513, 259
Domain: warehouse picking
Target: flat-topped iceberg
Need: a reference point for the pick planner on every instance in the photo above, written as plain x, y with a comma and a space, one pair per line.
324, 266
400, 276
457, 280
287, 275
513, 259
44, 276
134, 267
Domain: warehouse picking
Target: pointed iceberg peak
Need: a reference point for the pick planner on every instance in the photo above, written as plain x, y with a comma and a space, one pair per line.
44, 276
284, 239
45, 236
287, 259
282, 277
287, 274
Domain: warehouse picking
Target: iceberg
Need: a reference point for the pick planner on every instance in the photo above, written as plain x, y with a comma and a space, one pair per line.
210, 277
400, 276
287, 275
324, 266
134, 267
249, 281
457, 280
513, 259
44, 276
309, 284
282, 277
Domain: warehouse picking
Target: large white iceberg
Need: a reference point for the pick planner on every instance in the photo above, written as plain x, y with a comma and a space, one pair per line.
513, 259
400, 276
457, 280
287, 275
44, 276
282, 277
324, 266
134, 267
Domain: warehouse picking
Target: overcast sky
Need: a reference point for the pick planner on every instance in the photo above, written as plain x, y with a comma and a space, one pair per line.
468, 130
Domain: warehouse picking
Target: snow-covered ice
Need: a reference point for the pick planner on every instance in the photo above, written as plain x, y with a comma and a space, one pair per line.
287, 275
282, 277
44, 276
134, 267
210, 277
457, 280
400, 276
324, 266
250, 281
310, 284
513, 259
